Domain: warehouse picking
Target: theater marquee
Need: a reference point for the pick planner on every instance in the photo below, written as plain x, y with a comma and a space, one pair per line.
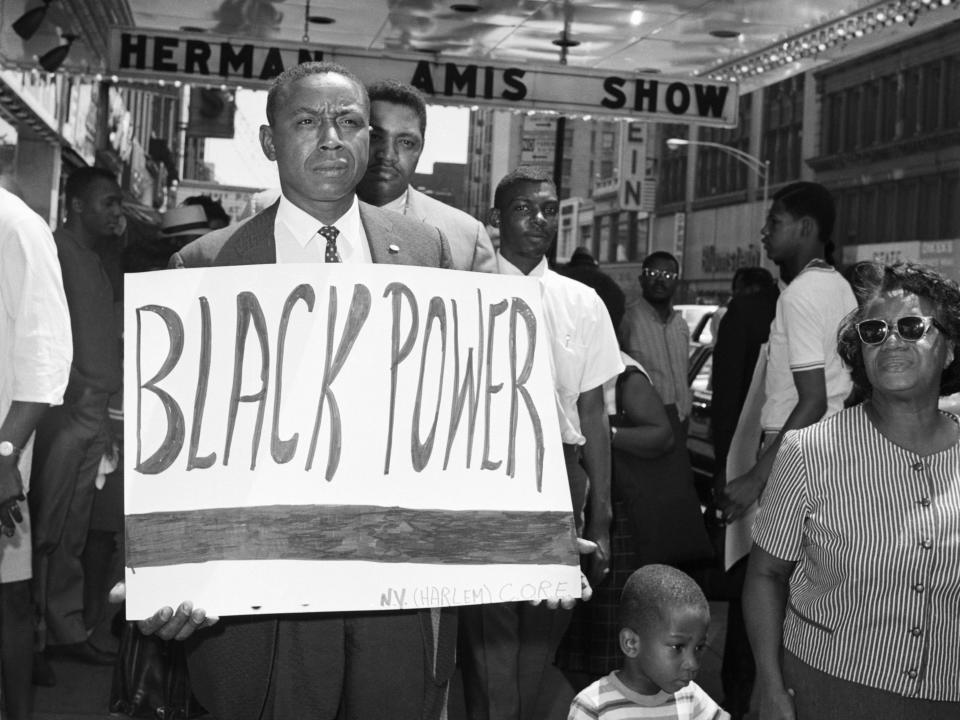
208, 59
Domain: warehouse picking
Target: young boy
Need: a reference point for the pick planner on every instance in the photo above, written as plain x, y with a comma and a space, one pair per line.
663, 628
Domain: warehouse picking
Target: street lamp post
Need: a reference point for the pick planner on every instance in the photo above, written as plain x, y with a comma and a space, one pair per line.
760, 167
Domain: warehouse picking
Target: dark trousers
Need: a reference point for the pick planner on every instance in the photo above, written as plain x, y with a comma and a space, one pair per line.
16, 648
70, 442
738, 671
506, 647
327, 666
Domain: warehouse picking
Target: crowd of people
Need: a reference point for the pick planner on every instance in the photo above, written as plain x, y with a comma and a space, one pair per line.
838, 476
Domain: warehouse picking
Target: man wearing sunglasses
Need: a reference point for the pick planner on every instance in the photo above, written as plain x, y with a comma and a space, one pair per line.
657, 336
805, 378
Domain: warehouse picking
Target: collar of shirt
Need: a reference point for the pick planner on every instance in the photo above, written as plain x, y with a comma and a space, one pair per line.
398, 204
818, 263
297, 239
508, 268
642, 302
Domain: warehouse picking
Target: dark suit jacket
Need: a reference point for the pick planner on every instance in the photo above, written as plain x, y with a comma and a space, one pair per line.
392, 238
233, 665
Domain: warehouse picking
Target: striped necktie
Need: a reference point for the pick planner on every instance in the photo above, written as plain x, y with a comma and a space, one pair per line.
330, 233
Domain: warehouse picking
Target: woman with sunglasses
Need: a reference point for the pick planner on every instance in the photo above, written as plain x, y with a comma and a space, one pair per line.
852, 598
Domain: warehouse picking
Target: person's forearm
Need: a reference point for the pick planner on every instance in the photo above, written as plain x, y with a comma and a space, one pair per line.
21, 420
804, 413
17, 426
764, 609
596, 462
595, 427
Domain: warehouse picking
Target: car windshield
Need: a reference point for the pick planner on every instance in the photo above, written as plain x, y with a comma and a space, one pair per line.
697, 318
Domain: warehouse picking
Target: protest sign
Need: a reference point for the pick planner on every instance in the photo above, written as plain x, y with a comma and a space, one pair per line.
340, 437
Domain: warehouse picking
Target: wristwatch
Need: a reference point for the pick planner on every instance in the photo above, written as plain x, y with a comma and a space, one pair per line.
8, 449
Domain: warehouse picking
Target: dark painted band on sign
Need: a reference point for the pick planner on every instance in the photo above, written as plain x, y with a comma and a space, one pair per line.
351, 532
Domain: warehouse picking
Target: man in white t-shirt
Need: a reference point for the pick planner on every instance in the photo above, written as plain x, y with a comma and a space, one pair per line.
805, 378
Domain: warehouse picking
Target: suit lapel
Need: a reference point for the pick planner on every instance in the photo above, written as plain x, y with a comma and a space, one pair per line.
381, 235
415, 206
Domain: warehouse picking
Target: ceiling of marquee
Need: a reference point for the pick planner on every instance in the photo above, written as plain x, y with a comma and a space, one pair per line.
676, 38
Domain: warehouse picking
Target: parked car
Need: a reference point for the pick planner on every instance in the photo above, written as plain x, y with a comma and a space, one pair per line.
698, 320
699, 431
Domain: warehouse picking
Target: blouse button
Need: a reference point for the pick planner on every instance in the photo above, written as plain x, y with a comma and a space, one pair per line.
918, 587
912, 674
918, 466
926, 543
924, 502
917, 631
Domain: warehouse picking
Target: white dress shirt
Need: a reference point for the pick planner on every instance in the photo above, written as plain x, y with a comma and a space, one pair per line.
298, 240
583, 347
398, 204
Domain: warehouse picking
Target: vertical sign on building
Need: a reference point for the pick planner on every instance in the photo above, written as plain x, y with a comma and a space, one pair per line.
569, 228
633, 169
679, 236
538, 142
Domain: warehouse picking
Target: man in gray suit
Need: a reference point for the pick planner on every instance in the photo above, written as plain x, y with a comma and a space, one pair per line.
398, 118
320, 665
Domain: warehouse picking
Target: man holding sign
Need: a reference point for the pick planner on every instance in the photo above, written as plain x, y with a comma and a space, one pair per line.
507, 646
384, 664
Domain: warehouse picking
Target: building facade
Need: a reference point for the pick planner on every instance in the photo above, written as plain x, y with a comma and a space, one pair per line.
881, 131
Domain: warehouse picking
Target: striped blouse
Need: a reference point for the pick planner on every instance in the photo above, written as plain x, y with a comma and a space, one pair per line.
875, 532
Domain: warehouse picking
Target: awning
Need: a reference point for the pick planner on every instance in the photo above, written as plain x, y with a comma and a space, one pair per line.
17, 112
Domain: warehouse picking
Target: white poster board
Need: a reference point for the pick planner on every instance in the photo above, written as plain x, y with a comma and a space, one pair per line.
349, 437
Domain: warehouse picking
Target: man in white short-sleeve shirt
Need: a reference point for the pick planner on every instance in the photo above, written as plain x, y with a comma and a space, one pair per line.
507, 646
803, 337
805, 378
36, 348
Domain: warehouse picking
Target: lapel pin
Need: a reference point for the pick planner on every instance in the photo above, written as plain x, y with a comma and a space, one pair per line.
393, 249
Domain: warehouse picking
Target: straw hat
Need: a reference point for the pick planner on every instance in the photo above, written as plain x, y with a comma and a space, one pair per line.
184, 220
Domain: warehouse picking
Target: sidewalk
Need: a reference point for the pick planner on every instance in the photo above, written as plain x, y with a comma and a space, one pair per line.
83, 691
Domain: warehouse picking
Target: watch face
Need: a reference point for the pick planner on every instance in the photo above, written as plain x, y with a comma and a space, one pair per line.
6, 448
